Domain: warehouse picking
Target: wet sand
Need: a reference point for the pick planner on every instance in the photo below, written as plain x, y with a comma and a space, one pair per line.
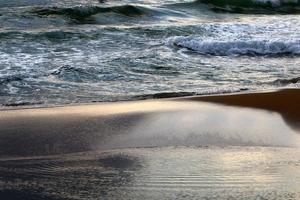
40, 131
237, 146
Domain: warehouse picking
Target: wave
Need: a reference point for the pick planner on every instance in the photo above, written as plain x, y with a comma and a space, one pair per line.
212, 91
75, 74
22, 103
164, 95
254, 6
18, 3
87, 13
227, 48
284, 82
11, 78
65, 72
49, 35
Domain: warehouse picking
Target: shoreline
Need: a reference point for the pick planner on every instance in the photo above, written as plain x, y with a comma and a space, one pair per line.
204, 98
265, 119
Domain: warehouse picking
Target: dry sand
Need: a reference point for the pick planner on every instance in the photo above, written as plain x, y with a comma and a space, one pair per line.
286, 102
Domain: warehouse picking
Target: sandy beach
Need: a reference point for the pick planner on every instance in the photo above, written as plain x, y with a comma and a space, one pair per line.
226, 146
283, 101
39, 131
149, 99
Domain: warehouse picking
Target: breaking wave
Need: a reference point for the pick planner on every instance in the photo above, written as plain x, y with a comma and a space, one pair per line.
284, 82
227, 48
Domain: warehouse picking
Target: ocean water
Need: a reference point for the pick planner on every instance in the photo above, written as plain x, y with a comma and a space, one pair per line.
80, 51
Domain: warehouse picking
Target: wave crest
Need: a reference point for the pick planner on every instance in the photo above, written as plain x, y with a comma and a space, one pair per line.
75, 74
81, 13
284, 82
227, 48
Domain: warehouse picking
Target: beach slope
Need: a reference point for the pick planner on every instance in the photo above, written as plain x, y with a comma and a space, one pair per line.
210, 120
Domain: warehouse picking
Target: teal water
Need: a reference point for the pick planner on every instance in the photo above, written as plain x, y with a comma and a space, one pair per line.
60, 52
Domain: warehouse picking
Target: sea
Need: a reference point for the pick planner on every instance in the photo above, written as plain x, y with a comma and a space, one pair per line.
57, 52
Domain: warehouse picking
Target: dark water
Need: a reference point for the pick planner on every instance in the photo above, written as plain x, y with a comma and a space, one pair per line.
74, 51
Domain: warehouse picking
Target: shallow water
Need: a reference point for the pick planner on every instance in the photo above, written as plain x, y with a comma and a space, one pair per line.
59, 52
156, 173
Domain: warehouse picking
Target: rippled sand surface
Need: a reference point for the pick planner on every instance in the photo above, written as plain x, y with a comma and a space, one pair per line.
156, 173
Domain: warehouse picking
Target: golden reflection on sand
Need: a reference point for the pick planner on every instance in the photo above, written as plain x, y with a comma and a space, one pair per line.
182, 121
285, 102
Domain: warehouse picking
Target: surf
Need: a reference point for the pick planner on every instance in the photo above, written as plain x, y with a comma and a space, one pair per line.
237, 47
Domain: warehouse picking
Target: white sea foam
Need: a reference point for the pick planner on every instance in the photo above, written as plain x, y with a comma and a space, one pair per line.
236, 47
